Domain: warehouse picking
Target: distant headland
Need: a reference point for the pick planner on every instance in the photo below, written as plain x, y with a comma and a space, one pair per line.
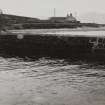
22, 22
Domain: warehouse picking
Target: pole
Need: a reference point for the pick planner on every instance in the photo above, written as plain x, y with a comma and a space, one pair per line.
54, 12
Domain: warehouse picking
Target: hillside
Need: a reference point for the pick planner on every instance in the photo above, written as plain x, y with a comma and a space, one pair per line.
13, 19
22, 22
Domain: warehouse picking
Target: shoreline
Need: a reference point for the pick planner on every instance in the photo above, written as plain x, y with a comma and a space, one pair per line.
61, 29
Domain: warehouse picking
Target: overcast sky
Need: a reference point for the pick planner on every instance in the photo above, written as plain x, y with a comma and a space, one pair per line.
44, 8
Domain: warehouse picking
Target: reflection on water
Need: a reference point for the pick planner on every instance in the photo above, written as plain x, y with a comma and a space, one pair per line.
49, 81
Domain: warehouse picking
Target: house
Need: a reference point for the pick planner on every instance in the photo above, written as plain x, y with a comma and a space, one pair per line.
68, 18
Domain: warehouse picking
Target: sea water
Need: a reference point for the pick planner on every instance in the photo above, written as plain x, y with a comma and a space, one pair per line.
51, 81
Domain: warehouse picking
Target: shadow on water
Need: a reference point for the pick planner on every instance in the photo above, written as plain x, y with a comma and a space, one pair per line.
74, 58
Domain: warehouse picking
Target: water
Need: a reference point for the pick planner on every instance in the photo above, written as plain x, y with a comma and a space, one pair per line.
47, 81
64, 32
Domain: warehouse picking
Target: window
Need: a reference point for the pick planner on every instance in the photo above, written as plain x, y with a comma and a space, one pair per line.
93, 40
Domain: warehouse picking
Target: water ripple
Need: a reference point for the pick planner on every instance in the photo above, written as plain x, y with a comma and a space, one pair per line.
46, 81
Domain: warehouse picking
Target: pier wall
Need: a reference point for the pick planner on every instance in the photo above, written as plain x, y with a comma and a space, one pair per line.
47, 45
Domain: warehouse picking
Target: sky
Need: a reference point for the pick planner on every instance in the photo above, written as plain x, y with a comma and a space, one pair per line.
45, 8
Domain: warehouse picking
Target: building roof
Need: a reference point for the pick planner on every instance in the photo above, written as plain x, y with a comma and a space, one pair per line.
57, 19
69, 18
